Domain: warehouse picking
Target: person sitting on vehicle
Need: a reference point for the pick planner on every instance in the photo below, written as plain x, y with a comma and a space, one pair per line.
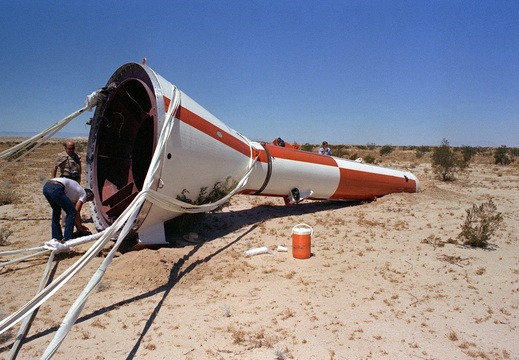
325, 150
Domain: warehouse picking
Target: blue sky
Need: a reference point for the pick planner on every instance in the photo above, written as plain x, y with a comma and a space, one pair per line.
349, 72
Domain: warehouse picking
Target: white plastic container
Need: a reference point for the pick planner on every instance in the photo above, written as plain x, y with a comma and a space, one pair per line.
257, 251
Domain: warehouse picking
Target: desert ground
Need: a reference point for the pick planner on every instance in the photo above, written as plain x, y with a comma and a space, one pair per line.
387, 279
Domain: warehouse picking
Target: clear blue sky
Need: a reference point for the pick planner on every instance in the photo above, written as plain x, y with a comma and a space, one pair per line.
349, 72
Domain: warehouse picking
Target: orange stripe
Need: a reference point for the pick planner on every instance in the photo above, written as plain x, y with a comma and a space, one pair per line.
360, 185
208, 128
298, 155
211, 130
167, 101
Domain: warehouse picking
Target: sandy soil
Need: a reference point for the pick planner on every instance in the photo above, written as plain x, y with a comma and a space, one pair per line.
378, 285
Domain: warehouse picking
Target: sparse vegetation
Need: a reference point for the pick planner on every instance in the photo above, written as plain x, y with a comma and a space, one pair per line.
236, 309
446, 162
467, 153
150, 347
21, 152
421, 151
339, 150
7, 195
81, 146
97, 323
502, 156
307, 147
433, 240
480, 224
370, 159
219, 191
251, 339
4, 234
452, 336
386, 149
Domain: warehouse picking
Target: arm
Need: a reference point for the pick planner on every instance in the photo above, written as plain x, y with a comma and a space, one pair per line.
54, 171
79, 225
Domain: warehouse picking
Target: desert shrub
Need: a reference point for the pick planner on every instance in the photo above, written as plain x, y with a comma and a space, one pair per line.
7, 196
21, 152
467, 153
81, 146
220, 190
421, 150
339, 150
354, 156
371, 146
307, 147
445, 161
501, 156
4, 234
370, 159
480, 224
434, 240
386, 149
485, 151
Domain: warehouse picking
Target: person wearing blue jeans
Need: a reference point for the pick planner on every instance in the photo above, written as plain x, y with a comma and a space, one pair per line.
66, 194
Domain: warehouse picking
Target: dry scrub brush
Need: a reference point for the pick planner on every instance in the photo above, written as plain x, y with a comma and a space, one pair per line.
4, 234
446, 162
7, 195
480, 224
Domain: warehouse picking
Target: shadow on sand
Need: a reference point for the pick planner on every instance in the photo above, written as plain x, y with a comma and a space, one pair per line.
212, 226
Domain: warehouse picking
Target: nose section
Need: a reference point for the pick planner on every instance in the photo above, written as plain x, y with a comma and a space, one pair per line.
418, 185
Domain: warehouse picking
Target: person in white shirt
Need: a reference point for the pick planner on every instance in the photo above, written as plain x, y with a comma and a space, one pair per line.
325, 150
66, 194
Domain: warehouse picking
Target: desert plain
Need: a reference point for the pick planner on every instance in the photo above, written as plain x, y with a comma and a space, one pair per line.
387, 279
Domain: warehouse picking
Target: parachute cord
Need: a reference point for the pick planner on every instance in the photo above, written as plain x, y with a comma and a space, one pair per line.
12, 252
37, 140
24, 257
129, 215
125, 222
26, 147
26, 324
173, 204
